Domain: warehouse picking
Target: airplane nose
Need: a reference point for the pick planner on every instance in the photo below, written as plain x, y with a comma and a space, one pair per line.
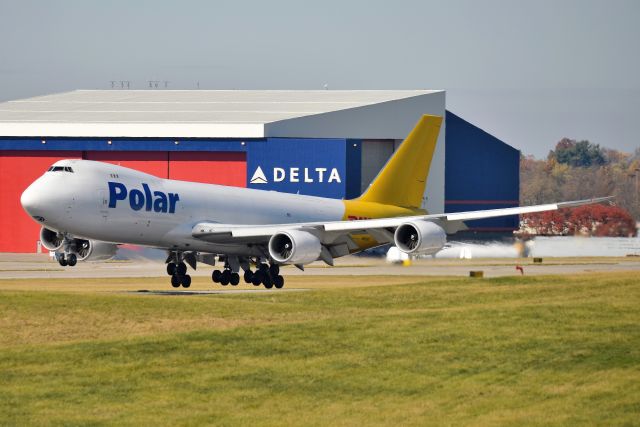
29, 199
34, 201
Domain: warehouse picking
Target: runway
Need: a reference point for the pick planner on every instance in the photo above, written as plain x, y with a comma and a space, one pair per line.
26, 266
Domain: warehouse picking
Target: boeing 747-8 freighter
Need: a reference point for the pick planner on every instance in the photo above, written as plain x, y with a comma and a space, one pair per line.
87, 208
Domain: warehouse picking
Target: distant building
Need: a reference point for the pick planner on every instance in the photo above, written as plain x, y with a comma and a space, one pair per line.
326, 143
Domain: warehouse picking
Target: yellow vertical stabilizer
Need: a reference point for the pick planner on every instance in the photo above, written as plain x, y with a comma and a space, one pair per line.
403, 179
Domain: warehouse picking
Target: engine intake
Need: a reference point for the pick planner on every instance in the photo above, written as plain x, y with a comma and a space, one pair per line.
294, 247
420, 237
51, 240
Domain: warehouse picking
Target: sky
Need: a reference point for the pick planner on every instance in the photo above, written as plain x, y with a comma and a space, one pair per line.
528, 72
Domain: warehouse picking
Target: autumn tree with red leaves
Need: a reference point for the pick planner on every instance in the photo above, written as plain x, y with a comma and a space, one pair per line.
590, 220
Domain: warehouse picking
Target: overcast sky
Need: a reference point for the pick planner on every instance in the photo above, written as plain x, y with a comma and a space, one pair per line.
529, 72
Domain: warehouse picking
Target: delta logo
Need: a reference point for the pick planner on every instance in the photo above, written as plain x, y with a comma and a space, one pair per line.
305, 175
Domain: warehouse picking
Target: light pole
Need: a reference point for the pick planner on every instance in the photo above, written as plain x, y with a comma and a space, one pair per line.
636, 175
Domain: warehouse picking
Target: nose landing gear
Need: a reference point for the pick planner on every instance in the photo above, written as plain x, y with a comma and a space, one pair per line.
67, 259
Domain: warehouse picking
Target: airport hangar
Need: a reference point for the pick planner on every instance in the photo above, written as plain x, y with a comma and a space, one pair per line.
328, 143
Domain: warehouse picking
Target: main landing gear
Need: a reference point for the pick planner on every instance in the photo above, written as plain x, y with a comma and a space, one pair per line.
267, 275
178, 273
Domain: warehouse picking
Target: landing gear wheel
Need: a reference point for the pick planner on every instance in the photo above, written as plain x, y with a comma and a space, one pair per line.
175, 281
257, 278
216, 275
62, 260
274, 269
235, 279
181, 269
267, 282
72, 260
186, 281
225, 278
278, 281
248, 276
171, 269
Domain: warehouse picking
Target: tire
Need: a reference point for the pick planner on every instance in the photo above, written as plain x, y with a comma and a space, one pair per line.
181, 269
72, 260
171, 269
62, 260
235, 279
274, 269
248, 276
186, 281
175, 281
216, 275
278, 282
257, 278
225, 278
267, 282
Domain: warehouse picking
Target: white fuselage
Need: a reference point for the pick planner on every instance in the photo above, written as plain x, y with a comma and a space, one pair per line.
115, 204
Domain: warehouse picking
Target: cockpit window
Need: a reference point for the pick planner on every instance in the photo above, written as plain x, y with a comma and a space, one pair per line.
60, 169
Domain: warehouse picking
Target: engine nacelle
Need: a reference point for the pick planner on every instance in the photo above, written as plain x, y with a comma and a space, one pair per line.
420, 237
51, 240
294, 247
93, 250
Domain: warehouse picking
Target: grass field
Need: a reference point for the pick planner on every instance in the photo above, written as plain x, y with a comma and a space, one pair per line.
514, 351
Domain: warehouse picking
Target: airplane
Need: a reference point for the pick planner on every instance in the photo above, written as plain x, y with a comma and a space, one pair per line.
86, 208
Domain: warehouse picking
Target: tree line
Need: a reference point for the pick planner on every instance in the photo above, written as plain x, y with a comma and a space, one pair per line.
580, 170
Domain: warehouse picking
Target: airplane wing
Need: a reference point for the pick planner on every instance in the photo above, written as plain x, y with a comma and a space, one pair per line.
381, 229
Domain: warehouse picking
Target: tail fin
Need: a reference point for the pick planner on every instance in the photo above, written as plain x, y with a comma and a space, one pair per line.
403, 179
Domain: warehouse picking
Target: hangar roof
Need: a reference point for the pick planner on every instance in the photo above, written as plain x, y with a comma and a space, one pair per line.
207, 113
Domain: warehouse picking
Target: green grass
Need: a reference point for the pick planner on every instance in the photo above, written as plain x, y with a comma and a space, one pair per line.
509, 351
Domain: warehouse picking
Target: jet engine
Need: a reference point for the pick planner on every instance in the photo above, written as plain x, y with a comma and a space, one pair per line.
93, 250
51, 240
294, 247
420, 237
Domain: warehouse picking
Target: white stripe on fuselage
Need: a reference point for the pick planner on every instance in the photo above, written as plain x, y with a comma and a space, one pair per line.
82, 207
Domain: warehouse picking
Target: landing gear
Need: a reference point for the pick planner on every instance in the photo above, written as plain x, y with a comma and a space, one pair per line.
225, 278
62, 260
278, 281
72, 260
177, 269
186, 281
177, 280
248, 276
235, 279
216, 276
265, 274
67, 259
171, 268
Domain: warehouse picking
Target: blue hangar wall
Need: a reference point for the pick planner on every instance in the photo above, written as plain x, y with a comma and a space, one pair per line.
481, 172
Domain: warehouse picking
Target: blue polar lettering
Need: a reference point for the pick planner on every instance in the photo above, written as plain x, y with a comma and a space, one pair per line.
136, 199
159, 202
